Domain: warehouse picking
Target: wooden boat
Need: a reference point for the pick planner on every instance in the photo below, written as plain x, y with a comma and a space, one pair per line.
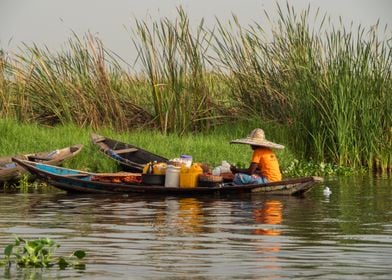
11, 171
129, 157
75, 181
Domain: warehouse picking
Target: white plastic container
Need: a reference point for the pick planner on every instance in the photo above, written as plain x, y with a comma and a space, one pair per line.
187, 160
172, 178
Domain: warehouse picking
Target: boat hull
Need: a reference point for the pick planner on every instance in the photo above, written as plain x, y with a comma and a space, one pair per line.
130, 157
74, 181
11, 171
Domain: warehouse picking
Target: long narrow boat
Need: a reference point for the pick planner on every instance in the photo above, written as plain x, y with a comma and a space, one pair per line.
75, 181
129, 157
11, 171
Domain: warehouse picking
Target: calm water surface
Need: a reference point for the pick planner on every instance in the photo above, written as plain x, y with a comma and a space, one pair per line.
347, 235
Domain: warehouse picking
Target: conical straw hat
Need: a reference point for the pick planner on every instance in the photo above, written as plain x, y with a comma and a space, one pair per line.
257, 138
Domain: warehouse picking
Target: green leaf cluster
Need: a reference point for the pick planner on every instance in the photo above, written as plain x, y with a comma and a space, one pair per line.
39, 253
297, 168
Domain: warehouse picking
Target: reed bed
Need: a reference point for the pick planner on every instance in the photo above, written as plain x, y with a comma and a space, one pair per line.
326, 88
174, 60
330, 86
74, 85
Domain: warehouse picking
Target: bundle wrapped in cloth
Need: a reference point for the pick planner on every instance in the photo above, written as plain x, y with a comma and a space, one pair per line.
223, 170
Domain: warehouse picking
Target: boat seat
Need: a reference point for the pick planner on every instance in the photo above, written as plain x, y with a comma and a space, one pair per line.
33, 158
99, 139
123, 151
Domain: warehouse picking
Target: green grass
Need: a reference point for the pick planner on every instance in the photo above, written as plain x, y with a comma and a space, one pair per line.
209, 148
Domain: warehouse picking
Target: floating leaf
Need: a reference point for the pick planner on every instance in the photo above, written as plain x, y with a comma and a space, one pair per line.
62, 263
81, 266
80, 254
8, 250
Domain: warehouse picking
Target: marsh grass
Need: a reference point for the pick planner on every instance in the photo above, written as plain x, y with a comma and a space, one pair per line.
74, 85
328, 86
173, 58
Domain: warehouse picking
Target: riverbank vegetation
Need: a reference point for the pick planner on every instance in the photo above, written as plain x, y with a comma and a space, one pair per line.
208, 148
320, 89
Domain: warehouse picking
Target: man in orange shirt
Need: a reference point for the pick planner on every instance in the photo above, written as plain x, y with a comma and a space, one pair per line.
263, 159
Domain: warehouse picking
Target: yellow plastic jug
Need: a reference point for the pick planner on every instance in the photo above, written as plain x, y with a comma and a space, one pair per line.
146, 167
159, 168
189, 176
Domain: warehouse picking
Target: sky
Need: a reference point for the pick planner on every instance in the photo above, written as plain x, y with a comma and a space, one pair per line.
51, 22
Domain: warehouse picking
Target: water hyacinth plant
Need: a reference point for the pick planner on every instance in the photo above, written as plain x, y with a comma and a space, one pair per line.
39, 253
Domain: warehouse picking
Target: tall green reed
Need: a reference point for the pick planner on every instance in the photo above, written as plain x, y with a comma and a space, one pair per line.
328, 86
75, 85
5, 87
174, 60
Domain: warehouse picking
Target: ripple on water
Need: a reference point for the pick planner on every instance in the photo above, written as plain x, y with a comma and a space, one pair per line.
247, 237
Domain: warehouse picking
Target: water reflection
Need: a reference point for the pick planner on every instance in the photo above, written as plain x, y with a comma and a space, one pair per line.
267, 218
271, 214
179, 216
190, 215
249, 236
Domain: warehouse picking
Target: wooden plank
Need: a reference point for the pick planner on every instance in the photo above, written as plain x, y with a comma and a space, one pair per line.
32, 157
99, 139
123, 151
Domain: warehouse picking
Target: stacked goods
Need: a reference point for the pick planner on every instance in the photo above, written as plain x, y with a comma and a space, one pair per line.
218, 175
172, 173
181, 172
